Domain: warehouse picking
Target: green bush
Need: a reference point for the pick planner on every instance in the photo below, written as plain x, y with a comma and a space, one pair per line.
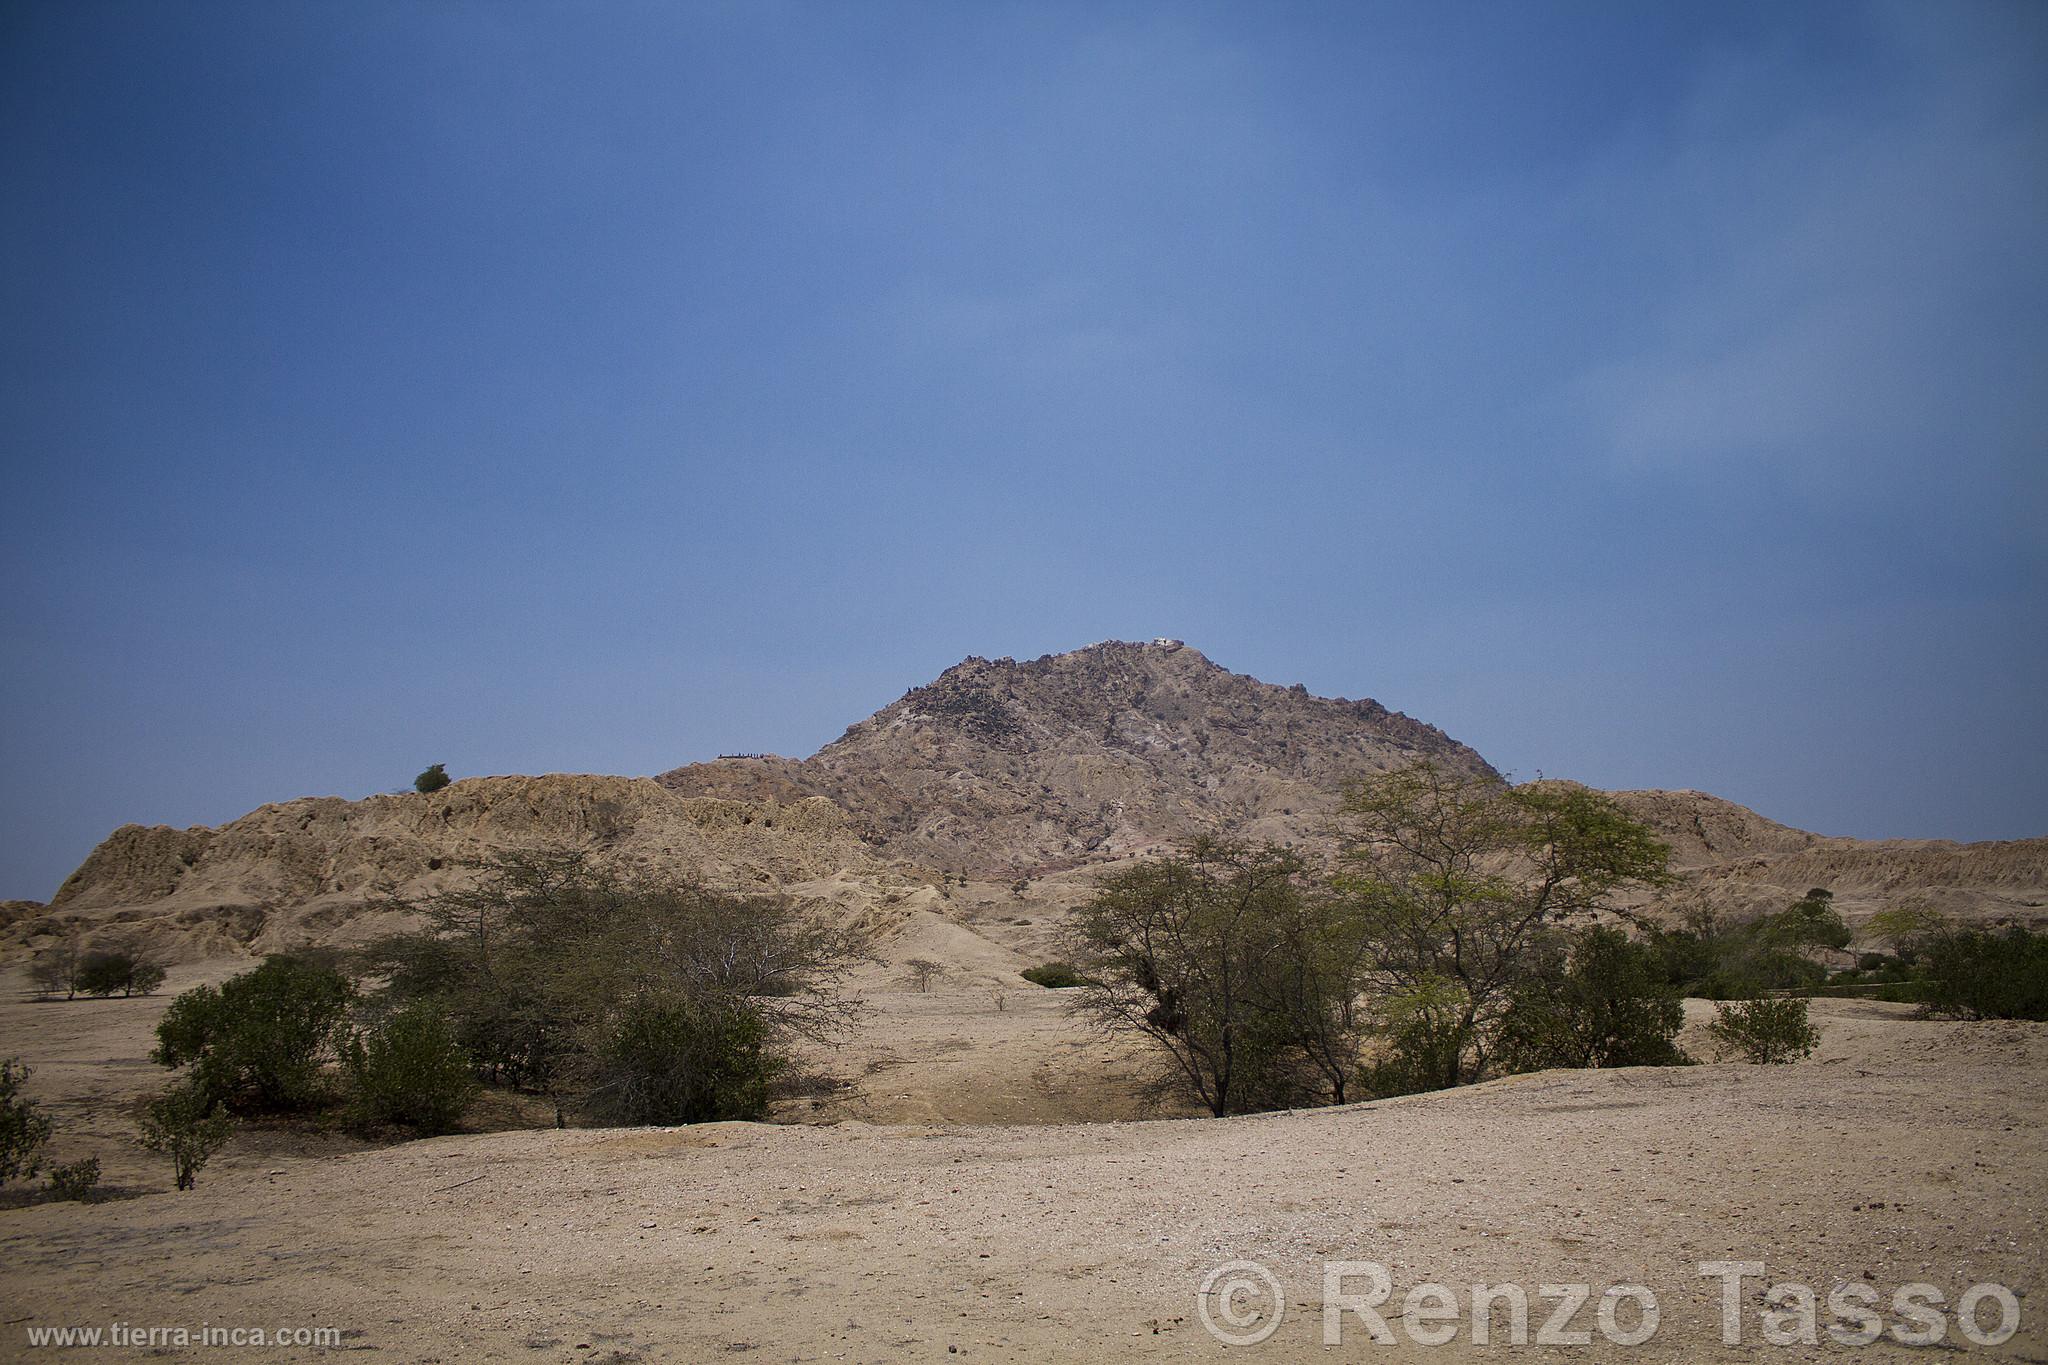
188, 1125
1599, 1002
433, 779
411, 1072
23, 1128
79, 1181
103, 973
1763, 1031
1054, 975
1986, 974
683, 1060
259, 1041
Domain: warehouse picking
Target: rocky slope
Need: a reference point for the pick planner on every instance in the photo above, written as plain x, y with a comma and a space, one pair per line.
1001, 768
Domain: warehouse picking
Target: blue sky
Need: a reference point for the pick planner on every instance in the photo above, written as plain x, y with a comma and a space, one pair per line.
1655, 395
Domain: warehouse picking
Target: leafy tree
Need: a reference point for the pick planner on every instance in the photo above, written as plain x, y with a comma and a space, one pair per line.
1187, 951
1764, 1030
1709, 955
410, 1071
1595, 999
922, 970
433, 779
23, 1127
187, 1124
103, 973
1906, 927
1454, 877
1422, 1031
259, 1040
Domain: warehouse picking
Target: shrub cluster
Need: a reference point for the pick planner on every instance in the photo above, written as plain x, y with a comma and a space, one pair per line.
1766, 1031
1054, 975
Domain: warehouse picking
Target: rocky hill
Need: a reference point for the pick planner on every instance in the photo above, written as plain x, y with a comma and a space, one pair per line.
1001, 768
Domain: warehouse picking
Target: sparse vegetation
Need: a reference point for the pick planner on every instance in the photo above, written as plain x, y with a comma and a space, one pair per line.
187, 1124
76, 1181
261, 1039
1766, 1031
1268, 988
55, 971
24, 1129
922, 970
433, 779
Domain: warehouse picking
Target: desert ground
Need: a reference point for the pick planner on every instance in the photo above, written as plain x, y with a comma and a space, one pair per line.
979, 1184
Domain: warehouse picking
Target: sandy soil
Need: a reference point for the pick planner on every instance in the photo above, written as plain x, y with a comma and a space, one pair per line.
1903, 1151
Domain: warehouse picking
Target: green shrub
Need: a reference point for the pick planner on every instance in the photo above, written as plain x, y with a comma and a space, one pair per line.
1763, 1031
188, 1125
1054, 975
77, 1181
411, 1072
258, 1041
433, 779
1986, 974
1598, 1003
683, 1060
23, 1128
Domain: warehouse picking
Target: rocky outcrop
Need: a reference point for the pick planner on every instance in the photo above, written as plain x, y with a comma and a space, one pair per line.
1001, 767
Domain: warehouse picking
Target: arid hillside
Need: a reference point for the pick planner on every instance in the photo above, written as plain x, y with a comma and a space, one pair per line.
318, 870
1740, 861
